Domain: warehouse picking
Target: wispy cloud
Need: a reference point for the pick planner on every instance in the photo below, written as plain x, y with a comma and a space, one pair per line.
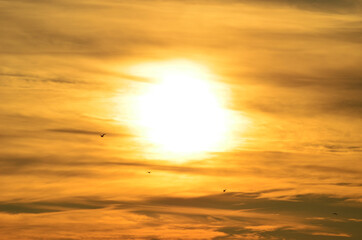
341, 6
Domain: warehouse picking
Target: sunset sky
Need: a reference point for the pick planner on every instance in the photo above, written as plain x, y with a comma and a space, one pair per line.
261, 98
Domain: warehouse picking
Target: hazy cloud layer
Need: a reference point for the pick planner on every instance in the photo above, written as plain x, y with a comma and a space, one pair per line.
290, 68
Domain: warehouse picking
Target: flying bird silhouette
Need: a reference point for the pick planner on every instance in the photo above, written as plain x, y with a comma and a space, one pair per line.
103, 134
335, 213
224, 190
148, 172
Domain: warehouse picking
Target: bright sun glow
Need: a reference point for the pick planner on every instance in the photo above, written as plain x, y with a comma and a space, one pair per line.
181, 113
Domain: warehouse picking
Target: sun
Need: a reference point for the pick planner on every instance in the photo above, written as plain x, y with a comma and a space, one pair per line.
181, 112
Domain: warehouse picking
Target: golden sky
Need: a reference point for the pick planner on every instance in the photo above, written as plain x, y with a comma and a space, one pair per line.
262, 98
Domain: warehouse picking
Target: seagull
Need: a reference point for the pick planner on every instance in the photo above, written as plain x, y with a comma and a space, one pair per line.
224, 190
103, 134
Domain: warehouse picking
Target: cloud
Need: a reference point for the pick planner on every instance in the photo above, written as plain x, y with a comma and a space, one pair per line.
340, 6
23, 208
55, 205
8, 77
339, 147
75, 131
337, 6
302, 206
331, 169
236, 214
87, 132
332, 234
83, 166
233, 215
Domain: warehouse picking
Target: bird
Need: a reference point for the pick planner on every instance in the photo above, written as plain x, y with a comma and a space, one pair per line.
103, 134
148, 172
224, 190
335, 213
